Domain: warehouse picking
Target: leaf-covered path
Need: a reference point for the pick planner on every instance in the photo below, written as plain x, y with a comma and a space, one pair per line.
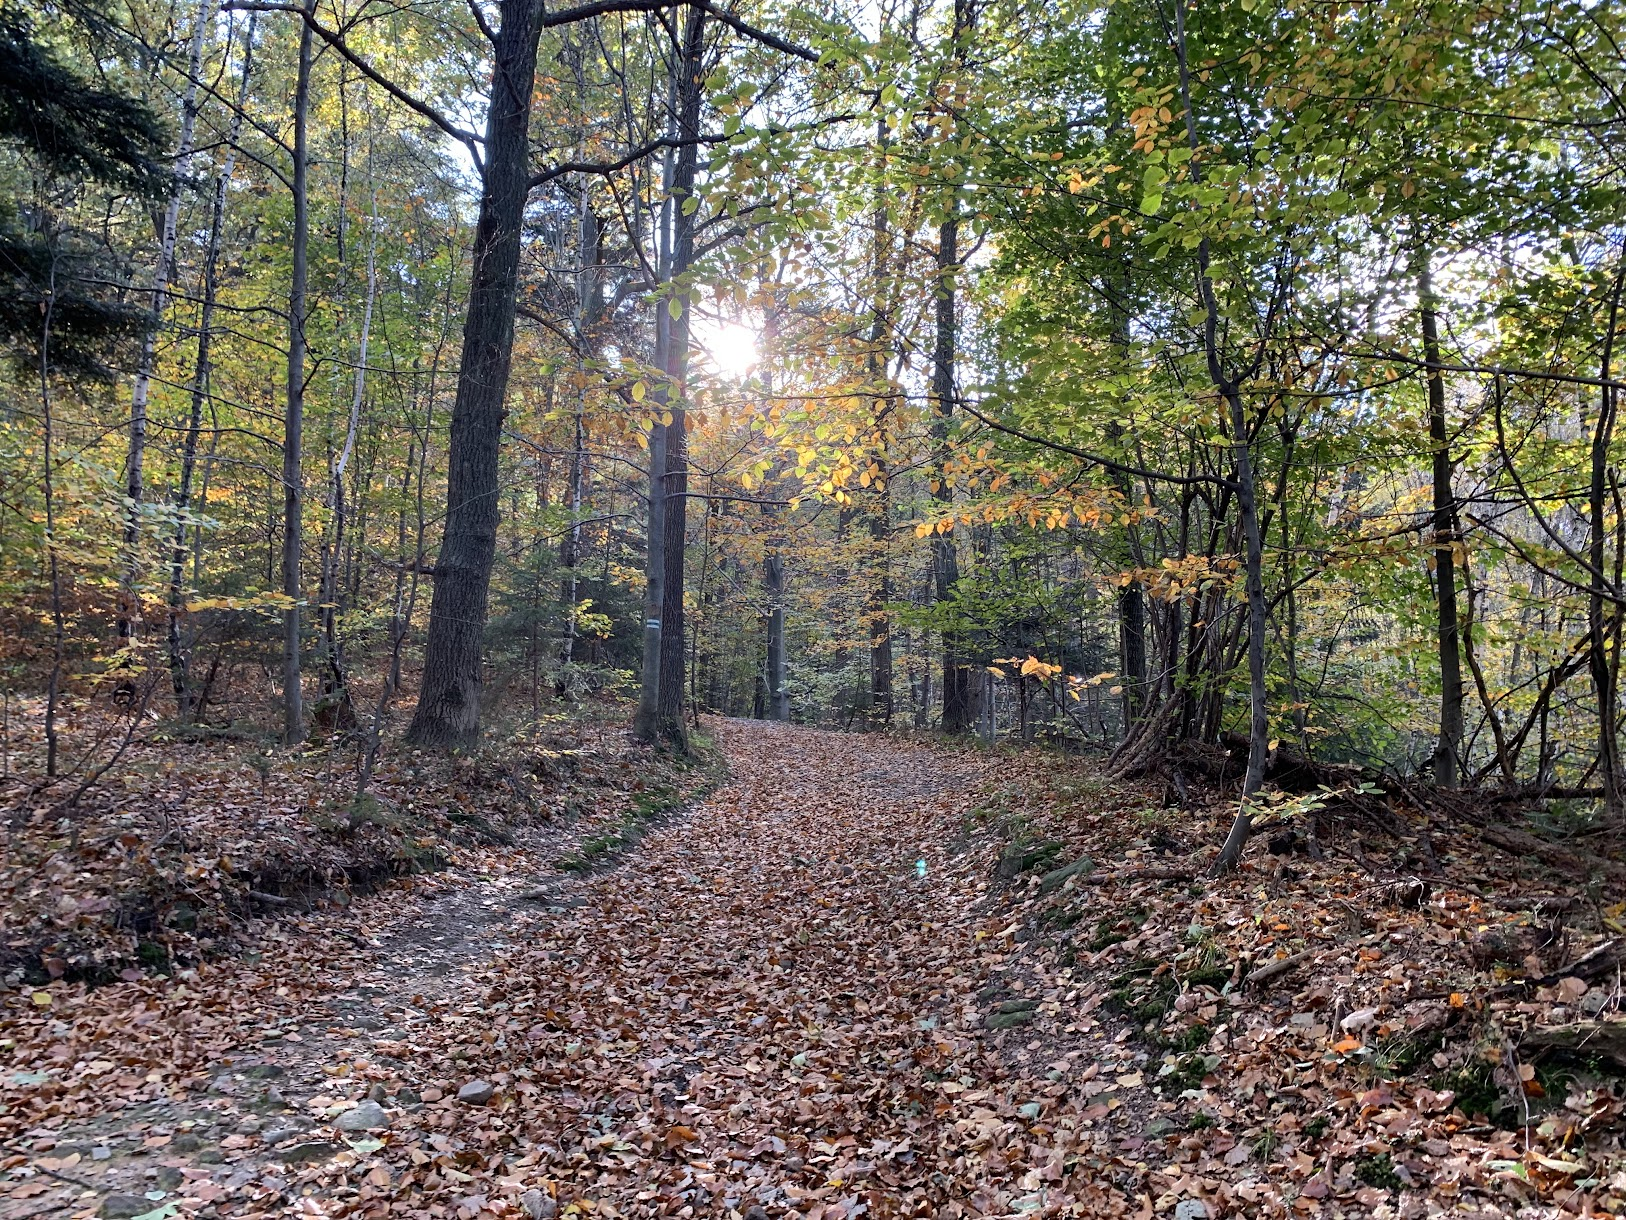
770, 1006
823, 992
771, 1003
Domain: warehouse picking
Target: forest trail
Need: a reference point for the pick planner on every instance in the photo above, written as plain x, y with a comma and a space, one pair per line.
768, 1007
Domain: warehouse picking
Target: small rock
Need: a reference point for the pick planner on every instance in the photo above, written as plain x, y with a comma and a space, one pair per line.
101, 1154
408, 1098
1008, 1020
1191, 1209
756, 1212
249, 1125
185, 1142
538, 1205
1363, 1018
122, 1207
264, 1071
286, 1128
476, 1093
211, 1156
368, 1116
313, 1150
433, 1094
1017, 1005
1058, 877
168, 1177
378, 1093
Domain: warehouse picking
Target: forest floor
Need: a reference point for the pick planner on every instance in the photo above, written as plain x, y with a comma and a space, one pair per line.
864, 976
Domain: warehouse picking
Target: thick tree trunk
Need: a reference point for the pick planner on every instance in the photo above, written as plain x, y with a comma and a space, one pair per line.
1448, 753
448, 712
676, 518
293, 428
1247, 506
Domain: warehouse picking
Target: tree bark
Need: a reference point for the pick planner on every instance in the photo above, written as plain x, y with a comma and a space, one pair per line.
1448, 753
1601, 631
675, 520
1247, 508
945, 556
177, 646
338, 707
448, 711
293, 427
135, 462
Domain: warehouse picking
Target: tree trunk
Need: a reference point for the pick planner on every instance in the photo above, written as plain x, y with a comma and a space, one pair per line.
448, 711
1247, 507
675, 519
1448, 752
293, 490
773, 582
134, 466
945, 557
1600, 630
338, 707
177, 647
588, 304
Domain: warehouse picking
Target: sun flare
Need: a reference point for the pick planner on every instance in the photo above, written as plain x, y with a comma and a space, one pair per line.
733, 349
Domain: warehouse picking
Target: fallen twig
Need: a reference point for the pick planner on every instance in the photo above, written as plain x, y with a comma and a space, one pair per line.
1277, 968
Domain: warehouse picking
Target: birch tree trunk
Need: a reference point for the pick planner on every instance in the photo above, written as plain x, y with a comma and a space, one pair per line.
293, 428
135, 461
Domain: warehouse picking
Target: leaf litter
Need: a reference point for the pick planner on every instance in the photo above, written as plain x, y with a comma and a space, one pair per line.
833, 990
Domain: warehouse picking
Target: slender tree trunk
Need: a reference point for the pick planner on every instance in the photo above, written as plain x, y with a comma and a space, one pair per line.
588, 305
338, 706
773, 583
1602, 623
945, 557
135, 462
878, 698
1448, 751
293, 432
176, 643
53, 559
448, 712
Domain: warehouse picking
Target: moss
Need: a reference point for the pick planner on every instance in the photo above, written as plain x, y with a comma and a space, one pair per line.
1187, 1038
1378, 1170
153, 954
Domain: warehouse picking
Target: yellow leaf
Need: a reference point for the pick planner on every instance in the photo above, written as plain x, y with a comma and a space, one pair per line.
639, 389
996, 671
42, 998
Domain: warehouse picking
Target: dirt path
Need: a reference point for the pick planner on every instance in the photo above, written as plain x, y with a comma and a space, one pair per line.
774, 1006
